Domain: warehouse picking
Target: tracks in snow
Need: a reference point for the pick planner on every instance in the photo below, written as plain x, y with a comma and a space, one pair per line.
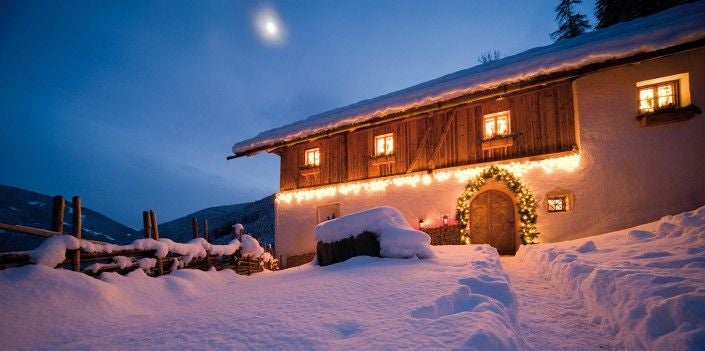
549, 320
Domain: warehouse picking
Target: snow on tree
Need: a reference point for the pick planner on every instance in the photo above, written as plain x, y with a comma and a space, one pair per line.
609, 12
570, 24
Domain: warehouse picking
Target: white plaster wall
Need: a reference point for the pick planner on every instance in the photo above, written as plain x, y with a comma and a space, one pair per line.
628, 174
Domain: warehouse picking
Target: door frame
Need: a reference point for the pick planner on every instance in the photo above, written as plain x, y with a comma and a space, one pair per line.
495, 185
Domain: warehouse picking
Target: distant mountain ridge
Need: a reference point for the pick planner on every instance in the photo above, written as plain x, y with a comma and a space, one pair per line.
28, 208
256, 216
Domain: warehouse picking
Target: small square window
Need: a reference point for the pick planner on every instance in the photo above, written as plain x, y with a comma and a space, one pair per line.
658, 96
328, 212
557, 203
384, 144
559, 200
312, 157
496, 124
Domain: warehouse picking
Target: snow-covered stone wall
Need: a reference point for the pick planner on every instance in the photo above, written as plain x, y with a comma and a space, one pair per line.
628, 174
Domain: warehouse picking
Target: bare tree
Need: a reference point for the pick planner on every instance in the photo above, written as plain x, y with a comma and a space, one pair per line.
489, 56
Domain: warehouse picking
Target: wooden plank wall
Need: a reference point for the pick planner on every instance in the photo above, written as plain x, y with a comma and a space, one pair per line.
542, 118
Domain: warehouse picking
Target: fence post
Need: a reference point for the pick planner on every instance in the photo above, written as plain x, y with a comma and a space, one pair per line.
194, 227
205, 229
57, 214
205, 236
146, 225
77, 228
155, 227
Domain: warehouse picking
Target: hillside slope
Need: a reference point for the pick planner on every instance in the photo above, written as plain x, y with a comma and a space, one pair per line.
24, 207
256, 216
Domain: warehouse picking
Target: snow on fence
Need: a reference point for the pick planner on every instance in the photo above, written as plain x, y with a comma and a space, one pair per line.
151, 254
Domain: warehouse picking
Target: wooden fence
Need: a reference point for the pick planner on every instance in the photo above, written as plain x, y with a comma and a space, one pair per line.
111, 261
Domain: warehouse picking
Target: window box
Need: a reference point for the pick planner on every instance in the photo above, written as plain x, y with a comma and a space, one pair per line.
309, 171
498, 141
668, 115
381, 160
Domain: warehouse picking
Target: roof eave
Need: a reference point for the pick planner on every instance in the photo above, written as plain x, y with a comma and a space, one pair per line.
484, 94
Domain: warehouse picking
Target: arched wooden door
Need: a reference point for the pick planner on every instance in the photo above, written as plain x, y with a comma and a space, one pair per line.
492, 221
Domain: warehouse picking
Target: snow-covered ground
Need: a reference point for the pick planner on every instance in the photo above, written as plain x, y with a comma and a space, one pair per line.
636, 289
643, 287
461, 299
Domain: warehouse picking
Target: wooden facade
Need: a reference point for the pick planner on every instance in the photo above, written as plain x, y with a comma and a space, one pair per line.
541, 122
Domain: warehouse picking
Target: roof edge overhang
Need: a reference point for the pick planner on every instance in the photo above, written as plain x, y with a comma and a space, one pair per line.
503, 89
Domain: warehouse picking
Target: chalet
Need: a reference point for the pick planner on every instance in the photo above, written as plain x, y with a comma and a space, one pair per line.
584, 136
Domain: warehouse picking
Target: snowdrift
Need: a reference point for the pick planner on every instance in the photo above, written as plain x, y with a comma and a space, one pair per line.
396, 238
459, 300
644, 285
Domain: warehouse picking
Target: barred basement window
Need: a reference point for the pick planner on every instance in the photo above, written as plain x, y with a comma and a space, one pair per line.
559, 200
557, 204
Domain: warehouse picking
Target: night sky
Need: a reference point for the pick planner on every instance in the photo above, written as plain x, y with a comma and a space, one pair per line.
135, 104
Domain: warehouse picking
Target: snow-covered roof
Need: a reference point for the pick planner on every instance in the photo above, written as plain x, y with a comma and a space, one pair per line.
676, 26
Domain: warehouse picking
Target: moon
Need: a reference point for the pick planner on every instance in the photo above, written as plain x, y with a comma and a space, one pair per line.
268, 25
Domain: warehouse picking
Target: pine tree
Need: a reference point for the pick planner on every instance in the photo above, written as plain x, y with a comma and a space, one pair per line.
609, 12
570, 24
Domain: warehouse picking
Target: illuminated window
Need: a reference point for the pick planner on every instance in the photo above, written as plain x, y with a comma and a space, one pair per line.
557, 204
313, 157
663, 92
384, 144
658, 96
559, 200
496, 124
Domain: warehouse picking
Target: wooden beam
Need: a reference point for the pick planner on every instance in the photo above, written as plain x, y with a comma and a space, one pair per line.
439, 142
57, 214
77, 228
28, 230
420, 147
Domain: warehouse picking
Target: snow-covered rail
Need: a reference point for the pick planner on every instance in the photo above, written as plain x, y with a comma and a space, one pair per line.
150, 254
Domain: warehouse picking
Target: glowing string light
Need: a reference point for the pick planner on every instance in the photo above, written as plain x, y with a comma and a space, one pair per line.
462, 175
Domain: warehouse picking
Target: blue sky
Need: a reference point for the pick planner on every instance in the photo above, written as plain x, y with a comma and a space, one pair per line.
135, 104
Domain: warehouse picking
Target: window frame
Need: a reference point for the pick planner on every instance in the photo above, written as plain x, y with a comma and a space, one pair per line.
552, 208
316, 151
675, 95
494, 116
386, 137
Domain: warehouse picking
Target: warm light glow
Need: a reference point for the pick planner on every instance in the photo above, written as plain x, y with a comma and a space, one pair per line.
384, 144
462, 175
658, 96
496, 124
312, 157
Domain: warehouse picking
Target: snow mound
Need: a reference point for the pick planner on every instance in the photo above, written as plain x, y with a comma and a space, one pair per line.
250, 247
396, 238
459, 300
645, 286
